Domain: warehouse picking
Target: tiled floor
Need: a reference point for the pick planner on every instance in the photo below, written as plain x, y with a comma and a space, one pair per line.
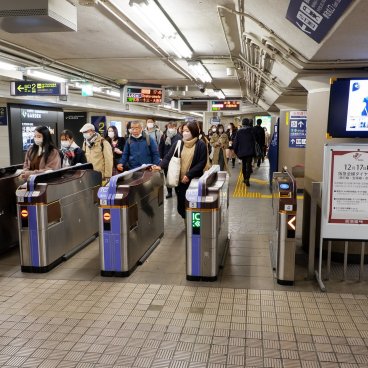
72, 317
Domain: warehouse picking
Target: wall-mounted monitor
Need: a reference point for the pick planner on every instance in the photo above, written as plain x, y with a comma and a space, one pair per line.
348, 108
225, 105
193, 105
134, 94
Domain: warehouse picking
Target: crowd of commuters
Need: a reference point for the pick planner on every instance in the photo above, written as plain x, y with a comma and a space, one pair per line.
147, 144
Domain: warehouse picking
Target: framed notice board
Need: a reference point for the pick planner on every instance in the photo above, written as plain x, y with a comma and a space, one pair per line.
345, 192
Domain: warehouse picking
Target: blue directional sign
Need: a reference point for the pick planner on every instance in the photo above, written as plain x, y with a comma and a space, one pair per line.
32, 88
297, 129
315, 18
3, 116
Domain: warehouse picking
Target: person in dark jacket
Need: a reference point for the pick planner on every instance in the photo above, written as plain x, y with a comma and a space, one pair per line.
259, 135
244, 148
139, 149
231, 133
168, 139
70, 153
117, 144
193, 161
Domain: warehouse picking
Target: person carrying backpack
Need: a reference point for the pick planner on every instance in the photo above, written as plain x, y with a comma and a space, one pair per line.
139, 149
98, 151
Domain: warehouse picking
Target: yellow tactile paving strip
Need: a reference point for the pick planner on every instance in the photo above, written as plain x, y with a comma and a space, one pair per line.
242, 191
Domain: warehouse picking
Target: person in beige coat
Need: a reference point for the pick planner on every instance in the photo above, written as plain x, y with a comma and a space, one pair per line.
219, 142
42, 155
98, 151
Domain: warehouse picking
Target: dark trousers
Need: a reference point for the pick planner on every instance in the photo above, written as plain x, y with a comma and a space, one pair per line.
247, 166
180, 191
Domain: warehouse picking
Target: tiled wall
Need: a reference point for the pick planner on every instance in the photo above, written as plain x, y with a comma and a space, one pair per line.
4, 146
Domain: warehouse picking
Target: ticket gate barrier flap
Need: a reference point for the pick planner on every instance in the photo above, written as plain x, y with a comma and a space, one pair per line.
131, 217
285, 207
58, 217
207, 232
10, 179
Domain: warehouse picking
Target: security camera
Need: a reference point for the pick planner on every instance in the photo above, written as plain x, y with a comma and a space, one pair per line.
201, 88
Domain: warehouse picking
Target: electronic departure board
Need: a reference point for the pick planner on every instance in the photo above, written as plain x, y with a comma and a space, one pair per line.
193, 105
143, 95
32, 88
225, 105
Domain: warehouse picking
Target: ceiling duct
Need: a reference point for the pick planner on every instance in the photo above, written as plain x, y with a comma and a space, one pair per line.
25, 16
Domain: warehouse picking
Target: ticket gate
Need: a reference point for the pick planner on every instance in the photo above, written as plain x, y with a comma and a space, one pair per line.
284, 202
57, 215
131, 216
10, 179
207, 226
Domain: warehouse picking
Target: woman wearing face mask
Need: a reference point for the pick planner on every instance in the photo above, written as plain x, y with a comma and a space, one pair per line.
219, 142
193, 161
42, 155
231, 133
168, 139
117, 144
70, 153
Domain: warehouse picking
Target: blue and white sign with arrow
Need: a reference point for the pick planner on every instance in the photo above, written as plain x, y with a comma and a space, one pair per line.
297, 129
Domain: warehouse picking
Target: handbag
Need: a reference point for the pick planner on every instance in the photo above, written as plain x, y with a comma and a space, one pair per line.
173, 171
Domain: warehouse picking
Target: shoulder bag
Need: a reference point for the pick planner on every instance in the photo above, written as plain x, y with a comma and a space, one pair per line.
173, 171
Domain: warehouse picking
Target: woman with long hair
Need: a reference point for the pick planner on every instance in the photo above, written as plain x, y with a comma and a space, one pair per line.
193, 161
117, 144
42, 155
219, 142
231, 133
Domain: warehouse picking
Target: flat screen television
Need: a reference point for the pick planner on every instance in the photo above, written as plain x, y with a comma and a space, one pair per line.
348, 108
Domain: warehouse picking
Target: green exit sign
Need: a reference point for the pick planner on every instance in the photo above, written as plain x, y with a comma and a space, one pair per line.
196, 223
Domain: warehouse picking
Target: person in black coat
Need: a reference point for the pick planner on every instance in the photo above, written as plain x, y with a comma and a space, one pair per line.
260, 137
168, 139
70, 153
117, 144
244, 148
193, 162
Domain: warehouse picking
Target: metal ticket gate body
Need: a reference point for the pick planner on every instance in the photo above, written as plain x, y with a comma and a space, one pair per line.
10, 179
57, 215
283, 243
207, 226
131, 216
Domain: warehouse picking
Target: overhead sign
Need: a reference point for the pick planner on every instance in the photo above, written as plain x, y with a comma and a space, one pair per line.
316, 17
297, 129
193, 105
87, 89
143, 95
225, 105
38, 88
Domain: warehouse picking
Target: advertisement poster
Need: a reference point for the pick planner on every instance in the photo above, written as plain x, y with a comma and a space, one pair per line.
348, 196
3, 116
316, 17
297, 129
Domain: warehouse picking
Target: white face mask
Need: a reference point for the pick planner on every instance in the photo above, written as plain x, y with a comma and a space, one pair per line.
87, 135
111, 134
187, 136
229, 127
214, 129
150, 125
171, 130
38, 141
221, 130
138, 136
65, 144
130, 131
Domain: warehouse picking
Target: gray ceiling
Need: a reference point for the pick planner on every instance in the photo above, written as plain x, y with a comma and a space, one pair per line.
268, 54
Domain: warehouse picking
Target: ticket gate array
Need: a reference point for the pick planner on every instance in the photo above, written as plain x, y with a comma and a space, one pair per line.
10, 179
284, 203
207, 226
131, 216
57, 215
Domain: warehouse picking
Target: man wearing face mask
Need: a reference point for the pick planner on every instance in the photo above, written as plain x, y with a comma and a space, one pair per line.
168, 139
42, 155
70, 153
139, 149
192, 163
98, 151
153, 131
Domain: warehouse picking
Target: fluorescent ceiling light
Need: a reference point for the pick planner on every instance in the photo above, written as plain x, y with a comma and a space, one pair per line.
160, 28
113, 93
7, 66
199, 71
44, 76
219, 94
